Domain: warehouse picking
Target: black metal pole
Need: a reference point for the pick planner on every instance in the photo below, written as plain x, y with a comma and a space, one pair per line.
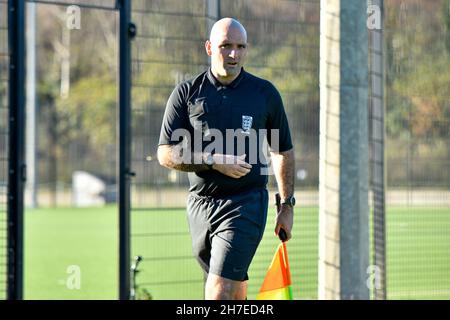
16, 163
124, 137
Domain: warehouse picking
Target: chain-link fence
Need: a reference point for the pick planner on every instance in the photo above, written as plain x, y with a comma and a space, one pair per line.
284, 48
72, 89
377, 201
77, 131
417, 39
169, 48
166, 50
75, 90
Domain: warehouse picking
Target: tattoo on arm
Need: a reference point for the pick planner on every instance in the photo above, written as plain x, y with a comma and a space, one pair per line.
171, 156
190, 167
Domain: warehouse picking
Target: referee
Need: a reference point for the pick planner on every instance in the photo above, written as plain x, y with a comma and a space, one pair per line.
213, 128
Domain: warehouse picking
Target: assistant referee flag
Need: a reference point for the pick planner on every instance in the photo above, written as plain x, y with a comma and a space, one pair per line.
277, 284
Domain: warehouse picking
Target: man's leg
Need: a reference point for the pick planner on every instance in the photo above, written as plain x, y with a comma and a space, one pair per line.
219, 288
241, 293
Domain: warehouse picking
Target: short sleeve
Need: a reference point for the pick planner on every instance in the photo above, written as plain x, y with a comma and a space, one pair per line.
175, 116
277, 120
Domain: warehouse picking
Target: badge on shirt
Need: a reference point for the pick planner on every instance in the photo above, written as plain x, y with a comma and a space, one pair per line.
246, 124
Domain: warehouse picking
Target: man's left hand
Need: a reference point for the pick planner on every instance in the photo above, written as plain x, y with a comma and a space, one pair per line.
285, 220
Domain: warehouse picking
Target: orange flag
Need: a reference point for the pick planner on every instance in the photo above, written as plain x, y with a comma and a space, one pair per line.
277, 284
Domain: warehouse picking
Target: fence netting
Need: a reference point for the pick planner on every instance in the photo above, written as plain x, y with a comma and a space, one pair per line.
417, 49
166, 50
77, 118
169, 48
72, 55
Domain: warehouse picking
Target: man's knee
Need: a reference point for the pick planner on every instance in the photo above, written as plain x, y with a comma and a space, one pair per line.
219, 288
241, 292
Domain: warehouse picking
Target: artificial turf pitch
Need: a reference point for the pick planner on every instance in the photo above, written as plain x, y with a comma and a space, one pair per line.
67, 247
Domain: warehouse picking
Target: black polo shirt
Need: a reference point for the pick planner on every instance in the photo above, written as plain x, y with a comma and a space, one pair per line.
244, 110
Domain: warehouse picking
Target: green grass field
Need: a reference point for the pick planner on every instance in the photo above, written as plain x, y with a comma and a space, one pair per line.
57, 239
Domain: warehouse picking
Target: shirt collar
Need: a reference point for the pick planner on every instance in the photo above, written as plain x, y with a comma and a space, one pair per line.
233, 84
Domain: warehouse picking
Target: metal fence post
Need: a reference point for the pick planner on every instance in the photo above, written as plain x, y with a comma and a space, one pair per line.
124, 139
377, 144
16, 163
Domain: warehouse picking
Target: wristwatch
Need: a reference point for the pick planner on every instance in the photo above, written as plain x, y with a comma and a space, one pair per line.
208, 160
290, 201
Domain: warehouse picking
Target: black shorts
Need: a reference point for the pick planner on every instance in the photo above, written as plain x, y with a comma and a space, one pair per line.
226, 232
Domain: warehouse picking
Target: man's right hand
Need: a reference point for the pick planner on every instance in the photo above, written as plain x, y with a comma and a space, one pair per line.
231, 166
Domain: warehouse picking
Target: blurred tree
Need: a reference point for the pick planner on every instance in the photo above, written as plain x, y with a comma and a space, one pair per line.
284, 48
80, 123
417, 89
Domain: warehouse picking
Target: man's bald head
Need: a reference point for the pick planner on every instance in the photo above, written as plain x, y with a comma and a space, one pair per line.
227, 47
225, 25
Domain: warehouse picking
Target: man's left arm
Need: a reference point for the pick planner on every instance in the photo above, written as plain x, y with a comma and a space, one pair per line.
284, 169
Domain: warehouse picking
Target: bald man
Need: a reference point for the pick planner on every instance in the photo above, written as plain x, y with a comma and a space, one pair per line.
213, 128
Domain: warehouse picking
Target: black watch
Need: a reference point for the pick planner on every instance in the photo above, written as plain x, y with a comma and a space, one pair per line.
209, 161
290, 201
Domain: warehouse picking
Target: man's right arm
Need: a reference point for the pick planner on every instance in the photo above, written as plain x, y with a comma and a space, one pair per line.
171, 157
170, 154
